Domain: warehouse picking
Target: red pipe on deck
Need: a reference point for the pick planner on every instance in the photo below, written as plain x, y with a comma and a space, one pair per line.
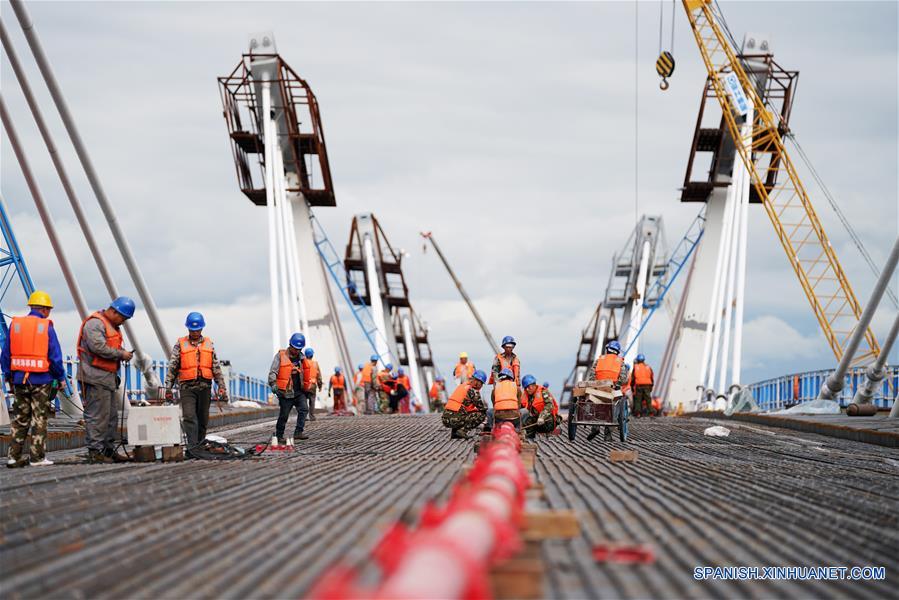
451, 551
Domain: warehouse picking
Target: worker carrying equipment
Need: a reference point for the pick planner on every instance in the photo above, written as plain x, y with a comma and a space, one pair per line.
610, 369
465, 410
540, 412
642, 381
507, 359
506, 400
195, 366
337, 388
312, 378
464, 369
99, 352
32, 366
285, 379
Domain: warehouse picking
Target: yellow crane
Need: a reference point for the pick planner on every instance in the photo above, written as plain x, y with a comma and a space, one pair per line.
779, 187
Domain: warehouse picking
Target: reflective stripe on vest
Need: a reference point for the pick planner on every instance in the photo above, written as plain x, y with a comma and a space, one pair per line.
642, 374
457, 399
608, 366
29, 344
505, 395
196, 361
286, 368
113, 340
338, 382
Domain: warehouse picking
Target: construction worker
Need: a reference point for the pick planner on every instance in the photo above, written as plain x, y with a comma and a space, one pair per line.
464, 369
609, 368
31, 362
386, 385
506, 401
285, 379
312, 377
370, 385
100, 352
641, 382
194, 364
337, 388
465, 410
358, 390
436, 394
506, 360
401, 393
541, 411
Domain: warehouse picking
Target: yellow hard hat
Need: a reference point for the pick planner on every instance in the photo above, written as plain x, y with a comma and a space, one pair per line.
40, 299
463, 355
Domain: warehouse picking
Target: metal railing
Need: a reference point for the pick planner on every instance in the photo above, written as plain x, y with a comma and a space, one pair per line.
789, 390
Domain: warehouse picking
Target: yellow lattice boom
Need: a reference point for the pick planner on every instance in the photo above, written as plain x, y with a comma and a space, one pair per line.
783, 195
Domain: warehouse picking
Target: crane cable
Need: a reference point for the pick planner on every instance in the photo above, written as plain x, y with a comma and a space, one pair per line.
789, 135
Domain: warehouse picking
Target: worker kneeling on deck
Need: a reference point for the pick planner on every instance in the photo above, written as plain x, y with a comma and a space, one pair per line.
100, 352
465, 410
506, 401
542, 412
32, 366
285, 378
195, 365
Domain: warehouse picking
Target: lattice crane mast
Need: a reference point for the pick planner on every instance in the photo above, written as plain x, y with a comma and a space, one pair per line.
777, 183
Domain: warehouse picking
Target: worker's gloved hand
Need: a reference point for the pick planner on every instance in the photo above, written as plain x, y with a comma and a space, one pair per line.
541, 420
169, 396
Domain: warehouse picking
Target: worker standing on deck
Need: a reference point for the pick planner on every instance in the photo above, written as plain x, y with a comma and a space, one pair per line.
32, 366
312, 377
464, 369
99, 354
370, 385
506, 401
465, 410
541, 413
507, 359
642, 380
401, 392
358, 390
385, 388
194, 364
609, 368
436, 394
285, 379
337, 388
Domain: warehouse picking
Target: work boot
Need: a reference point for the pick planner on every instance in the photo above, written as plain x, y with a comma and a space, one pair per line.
607, 436
97, 457
16, 463
301, 436
594, 431
117, 456
282, 441
458, 435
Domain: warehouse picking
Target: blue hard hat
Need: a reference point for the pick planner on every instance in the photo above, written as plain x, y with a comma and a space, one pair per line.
194, 321
124, 306
546, 384
439, 378
359, 366
614, 347
400, 371
640, 358
389, 366
309, 352
528, 380
507, 373
375, 358
508, 340
337, 370
297, 341
479, 375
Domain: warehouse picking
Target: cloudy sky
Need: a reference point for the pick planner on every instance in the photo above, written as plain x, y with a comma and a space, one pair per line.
526, 136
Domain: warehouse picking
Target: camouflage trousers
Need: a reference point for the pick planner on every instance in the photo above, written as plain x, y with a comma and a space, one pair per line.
463, 420
383, 402
371, 401
32, 408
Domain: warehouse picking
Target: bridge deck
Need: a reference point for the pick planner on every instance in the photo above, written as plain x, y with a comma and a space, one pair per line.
268, 527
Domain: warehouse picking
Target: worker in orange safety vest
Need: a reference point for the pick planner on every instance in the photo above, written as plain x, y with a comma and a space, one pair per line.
465, 410
285, 378
542, 412
507, 359
437, 393
642, 380
337, 389
506, 401
610, 368
312, 377
464, 369
402, 392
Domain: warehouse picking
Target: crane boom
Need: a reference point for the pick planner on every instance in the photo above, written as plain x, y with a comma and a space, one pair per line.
779, 187
474, 311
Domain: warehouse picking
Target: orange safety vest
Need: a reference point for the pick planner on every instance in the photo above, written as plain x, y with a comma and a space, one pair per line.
642, 374
337, 381
434, 392
284, 380
514, 366
505, 395
657, 404
404, 381
457, 400
537, 401
467, 369
385, 380
608, 366
113, 340
196, 361
367, 371
310, 373
29, 344
357, 378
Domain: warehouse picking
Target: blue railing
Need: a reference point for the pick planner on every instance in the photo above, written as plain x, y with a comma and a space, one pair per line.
789, 390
